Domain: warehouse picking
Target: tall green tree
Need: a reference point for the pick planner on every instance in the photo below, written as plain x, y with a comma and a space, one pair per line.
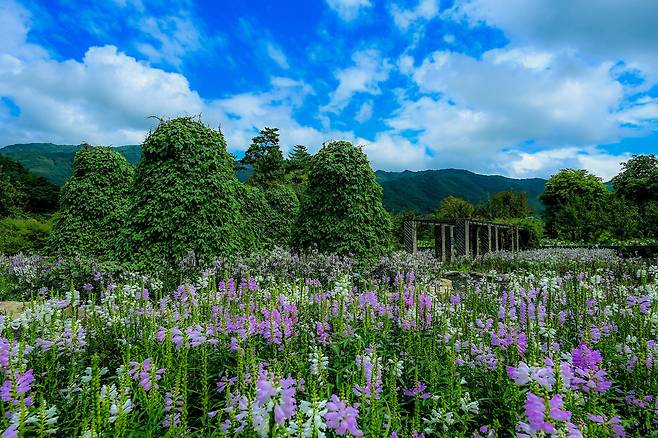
506, 205
297, 166
575, 202
342, 210
183, 199
637, 186
93, 203
638, 180
452, 207
265, 156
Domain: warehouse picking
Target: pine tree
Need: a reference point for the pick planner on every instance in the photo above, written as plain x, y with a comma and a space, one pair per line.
264, 155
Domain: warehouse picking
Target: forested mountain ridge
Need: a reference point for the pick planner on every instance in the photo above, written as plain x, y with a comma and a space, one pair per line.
421, 191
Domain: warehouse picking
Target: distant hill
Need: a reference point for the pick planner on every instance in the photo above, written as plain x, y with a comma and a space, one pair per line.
25, 191
421, 191
55, 162
424, 190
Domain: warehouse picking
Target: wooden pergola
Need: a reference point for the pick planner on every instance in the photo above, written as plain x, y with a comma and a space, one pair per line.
463, 237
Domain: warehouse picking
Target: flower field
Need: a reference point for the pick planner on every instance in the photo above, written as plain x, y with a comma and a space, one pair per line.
547, 343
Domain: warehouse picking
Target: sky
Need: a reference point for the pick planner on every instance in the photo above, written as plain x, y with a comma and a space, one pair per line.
521, 88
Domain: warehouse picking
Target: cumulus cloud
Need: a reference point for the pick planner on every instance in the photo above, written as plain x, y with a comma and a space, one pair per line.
423, 11
391, 151
365, 112
548, 162
364, 76
349, 10
106, 97
607, 30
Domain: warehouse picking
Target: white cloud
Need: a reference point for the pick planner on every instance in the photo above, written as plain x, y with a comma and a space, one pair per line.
365, 112
642, 113
405, 18
106, 97
548, 162
364, 76
169, 39
349, 10
606, 29
506, 98
394, 152
277, 55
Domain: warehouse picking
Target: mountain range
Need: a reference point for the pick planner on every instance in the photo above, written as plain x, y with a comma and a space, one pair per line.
421, 191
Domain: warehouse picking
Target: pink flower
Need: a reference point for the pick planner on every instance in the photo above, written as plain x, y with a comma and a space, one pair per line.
342, 417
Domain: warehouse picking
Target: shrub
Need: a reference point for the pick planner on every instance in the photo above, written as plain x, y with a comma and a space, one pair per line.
256, 211
184, 198
270, 215
342, 209
93, 204
284, 209
20, 235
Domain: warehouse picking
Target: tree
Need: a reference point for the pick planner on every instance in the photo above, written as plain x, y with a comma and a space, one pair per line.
29, 193
506, 205
575, 203
453, 207
284, 207
637, 185
264, 155
12, 198
184, 198
297, 165
638, 180
342, 209
93, 204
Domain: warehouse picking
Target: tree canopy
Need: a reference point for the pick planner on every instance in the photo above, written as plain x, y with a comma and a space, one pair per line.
184, 198
93, 203
342, 209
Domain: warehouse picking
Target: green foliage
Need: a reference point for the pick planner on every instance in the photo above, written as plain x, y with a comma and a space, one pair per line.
12, 197
575, 203
183, 199
21, 190
342, 209
23, 235
54, 161
264, 155
297, 166
637, 185
256, 212
454, 208
531, 230
397, 226
93, 204
505, 205
284, 209
638, 180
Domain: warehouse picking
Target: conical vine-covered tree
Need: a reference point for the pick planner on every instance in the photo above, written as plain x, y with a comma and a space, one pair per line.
93, 204
342, 210
184, 198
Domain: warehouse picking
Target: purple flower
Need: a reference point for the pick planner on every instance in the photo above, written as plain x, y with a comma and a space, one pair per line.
534, 409
418, 390
342, 417
10, 432
144, 374
556, 412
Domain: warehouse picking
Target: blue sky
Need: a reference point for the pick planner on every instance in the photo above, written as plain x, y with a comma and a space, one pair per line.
514, 87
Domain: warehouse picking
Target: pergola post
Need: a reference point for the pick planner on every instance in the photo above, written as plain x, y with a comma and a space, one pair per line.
496, 237
410, 238
518, 241
450, 242
438, 241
